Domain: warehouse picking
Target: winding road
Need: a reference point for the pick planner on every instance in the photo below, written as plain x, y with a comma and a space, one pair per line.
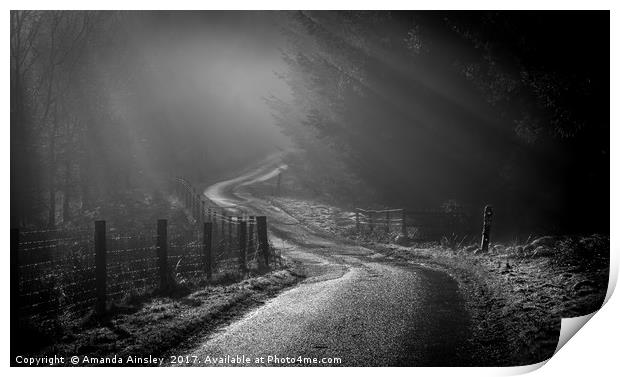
356, 308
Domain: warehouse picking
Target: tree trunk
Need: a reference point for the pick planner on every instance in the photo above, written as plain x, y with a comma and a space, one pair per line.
52, 195
17, 203
52, 173
85, 174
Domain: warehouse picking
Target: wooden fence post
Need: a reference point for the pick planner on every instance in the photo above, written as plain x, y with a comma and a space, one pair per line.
207, 238
263, 242
486, 228
403, 224
357, 221
100, 266
162, 252
241, 233
387, 221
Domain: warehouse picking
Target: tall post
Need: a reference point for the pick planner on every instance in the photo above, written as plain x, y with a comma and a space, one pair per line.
486, 228
357, 221
387, 221
241, 233
263, 243
279, 182
100, 267
403, 223
371, 223
207, 241
162, 252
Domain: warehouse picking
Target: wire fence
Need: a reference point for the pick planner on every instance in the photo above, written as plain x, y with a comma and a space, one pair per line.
226, 227
68, 272
428, 224
233, 235
55, 270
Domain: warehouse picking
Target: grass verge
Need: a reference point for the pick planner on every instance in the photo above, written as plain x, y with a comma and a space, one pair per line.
516, 294
156, 325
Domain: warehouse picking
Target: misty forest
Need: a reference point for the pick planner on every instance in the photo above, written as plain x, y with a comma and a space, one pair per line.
394, 188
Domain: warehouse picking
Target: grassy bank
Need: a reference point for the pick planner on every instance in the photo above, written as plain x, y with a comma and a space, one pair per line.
157, 325
516, 294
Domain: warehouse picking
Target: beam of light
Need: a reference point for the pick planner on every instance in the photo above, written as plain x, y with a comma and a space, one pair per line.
442, 136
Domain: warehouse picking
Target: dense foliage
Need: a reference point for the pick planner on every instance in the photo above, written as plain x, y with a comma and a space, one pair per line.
508, 108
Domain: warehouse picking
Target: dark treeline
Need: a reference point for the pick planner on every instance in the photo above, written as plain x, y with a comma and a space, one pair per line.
466, 108
414, 109
56, 130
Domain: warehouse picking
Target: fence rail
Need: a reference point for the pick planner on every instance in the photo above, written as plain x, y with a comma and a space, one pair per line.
427, 224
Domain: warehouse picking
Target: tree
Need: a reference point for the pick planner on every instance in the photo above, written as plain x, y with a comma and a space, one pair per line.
473, 106
25, 27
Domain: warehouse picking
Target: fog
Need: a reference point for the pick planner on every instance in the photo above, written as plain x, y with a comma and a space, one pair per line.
203, 87
401, 109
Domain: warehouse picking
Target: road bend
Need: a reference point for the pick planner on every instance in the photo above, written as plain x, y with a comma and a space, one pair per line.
356, 308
